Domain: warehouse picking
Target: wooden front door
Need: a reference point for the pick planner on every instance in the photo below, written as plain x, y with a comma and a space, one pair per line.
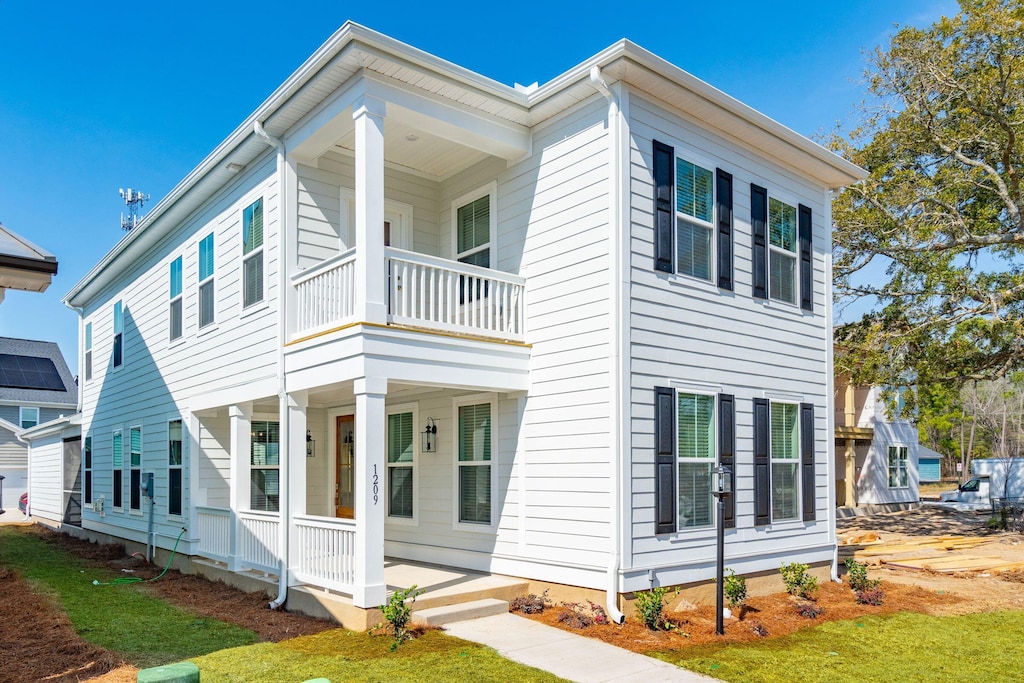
345, 472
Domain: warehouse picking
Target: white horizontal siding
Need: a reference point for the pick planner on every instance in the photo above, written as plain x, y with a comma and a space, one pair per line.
45, 484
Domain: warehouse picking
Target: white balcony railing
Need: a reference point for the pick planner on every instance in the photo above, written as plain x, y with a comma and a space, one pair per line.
327, 551
422, 291
325, 293
214, 533
257, 540
432, 292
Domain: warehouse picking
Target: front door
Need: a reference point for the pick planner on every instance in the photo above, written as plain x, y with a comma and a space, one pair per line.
345, 474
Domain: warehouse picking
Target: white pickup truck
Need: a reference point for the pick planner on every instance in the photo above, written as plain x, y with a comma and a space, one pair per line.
991, 479
976, 491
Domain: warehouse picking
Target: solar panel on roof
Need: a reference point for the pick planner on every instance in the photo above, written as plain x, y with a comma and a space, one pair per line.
29, 372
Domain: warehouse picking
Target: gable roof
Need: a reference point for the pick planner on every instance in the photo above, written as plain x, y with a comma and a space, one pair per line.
17, 391
354, 48
23, 265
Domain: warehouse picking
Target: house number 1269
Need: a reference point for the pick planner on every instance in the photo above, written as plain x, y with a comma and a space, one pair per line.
376, 485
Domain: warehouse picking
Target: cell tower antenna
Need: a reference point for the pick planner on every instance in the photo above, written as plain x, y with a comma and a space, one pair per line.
134, 199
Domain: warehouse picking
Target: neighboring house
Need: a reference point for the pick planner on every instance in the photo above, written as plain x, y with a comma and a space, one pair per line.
23, 265
36, 386
876, 455
929, 465
405, 311
55, 471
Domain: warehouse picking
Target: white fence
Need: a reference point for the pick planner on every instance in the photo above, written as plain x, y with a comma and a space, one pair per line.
215, 537
325, 293
257, 540
327, 551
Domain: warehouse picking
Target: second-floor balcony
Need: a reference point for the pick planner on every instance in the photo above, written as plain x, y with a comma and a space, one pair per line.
422, 291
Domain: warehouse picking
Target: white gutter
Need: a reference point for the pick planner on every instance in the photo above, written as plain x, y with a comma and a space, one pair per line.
615, 398
282, 395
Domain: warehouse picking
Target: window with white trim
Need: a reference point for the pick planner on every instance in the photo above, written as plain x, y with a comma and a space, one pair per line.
695, 425
175, 312
88, 351
784, 437
87, 468
473, 232
118, 352
695, 201
898, 458
135, 468
474, 463
401, 461
782, 251
28, 417
252, 254
117, 468
206, 281
174, 474
264, 466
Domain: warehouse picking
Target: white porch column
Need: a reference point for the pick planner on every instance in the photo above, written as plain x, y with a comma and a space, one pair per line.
296, 454
370, 590
240, 428
371, 280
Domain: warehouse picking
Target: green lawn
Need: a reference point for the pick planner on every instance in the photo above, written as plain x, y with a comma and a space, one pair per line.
906, 647
146, 631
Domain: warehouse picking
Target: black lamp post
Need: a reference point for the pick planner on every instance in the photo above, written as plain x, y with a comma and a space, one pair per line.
723, 487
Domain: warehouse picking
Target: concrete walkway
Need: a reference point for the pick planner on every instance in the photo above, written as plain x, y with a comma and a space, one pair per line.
567, 655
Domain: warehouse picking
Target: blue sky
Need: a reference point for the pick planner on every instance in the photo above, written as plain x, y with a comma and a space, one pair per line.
98, 96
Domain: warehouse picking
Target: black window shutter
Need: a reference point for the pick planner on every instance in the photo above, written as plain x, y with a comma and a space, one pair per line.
759, 230
724, 181
806, 263
807, 459
663, 206
664, 461
727, 452
762, 489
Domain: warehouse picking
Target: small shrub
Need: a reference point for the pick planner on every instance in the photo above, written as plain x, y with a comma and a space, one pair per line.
798, 581
735, 589
650, 607
397, 613
809, 610
530, 604
600, 616
758, 629
997, 522
580, 615
857, 576
870, 596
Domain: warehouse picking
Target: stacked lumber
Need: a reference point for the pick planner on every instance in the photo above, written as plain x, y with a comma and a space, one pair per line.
942, 554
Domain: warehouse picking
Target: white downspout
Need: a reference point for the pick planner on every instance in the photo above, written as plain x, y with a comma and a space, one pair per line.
615, 229
830, 413
282, 321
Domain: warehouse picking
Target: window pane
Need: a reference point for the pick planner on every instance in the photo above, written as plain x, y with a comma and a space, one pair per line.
88, 365
400, 437
117, 355
475, 494
693, 249
782, 281
265, 438
175, 289
88, 336
473, 224
694, 494
263, 490
481, 258
118, 318
134, 494
400, 491
784, 502
174, 492
87, 495
784, 431
694, 190
475, 433
696, 430
206, 257
782, 225
253, 279
117, 451
206, 304
118, 488
175, 322
252, 226
174, 442
135, 443
87, 452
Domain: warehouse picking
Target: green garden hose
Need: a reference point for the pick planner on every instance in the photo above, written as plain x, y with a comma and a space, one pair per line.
120, 581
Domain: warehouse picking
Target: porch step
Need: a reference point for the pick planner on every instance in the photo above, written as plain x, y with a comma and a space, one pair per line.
447, 614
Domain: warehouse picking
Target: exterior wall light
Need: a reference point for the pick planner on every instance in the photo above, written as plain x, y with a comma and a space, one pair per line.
430, 436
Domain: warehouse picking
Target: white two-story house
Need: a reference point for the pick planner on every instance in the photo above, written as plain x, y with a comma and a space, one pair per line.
404, 311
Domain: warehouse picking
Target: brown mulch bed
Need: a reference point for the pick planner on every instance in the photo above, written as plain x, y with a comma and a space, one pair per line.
39, 643
765, 616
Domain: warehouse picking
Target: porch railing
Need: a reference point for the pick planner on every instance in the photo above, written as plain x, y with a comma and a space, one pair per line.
214, 533
257, 540
448, 295
326, 551
326, 293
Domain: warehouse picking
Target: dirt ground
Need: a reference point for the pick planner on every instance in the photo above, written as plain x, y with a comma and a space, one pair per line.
52, 651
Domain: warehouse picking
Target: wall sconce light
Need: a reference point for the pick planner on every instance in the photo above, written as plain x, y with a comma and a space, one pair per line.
430, 436
310, 445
